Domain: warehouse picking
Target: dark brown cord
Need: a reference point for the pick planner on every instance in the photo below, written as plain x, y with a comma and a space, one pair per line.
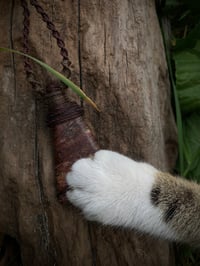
26, 25
27, 65
66, 63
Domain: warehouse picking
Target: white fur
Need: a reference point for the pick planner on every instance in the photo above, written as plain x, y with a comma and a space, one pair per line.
115, 190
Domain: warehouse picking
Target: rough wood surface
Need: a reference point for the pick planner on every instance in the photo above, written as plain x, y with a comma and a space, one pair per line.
117, 54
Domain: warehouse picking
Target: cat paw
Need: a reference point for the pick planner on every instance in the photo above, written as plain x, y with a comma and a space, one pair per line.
110, 188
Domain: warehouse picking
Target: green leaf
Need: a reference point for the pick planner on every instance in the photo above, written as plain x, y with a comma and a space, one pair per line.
191, 139
58, 75
187, 65
190, 41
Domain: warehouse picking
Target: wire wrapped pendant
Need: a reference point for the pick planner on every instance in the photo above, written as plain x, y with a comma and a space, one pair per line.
72, 139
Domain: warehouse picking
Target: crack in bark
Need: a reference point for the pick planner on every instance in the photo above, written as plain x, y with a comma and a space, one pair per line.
12, 47
104, 44
79, 49
43, 217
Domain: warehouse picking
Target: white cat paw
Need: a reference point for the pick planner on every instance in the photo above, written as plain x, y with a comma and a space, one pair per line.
110, 188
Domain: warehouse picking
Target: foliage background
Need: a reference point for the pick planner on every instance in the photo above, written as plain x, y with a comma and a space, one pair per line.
182, 43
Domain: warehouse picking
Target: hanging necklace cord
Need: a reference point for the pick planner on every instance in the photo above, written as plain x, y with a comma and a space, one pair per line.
66, 63
26, 26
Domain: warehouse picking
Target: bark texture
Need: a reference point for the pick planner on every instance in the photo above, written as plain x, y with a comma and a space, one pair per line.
118, 57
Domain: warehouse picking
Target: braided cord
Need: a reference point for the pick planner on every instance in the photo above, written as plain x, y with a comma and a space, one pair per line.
66, 63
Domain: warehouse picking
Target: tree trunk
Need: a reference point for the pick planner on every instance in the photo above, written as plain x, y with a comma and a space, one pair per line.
118, 56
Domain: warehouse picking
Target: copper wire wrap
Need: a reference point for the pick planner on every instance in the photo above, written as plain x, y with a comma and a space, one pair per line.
72, 139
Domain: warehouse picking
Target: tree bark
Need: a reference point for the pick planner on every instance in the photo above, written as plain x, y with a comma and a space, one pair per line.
118, 56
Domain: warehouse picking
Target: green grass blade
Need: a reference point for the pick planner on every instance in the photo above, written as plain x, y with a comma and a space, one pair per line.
177, 106
58, 75
179, 126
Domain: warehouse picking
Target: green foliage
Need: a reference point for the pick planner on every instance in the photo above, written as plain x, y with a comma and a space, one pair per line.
189, 41
187, 65
191, 135
187, 73
186, 81
184, 68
